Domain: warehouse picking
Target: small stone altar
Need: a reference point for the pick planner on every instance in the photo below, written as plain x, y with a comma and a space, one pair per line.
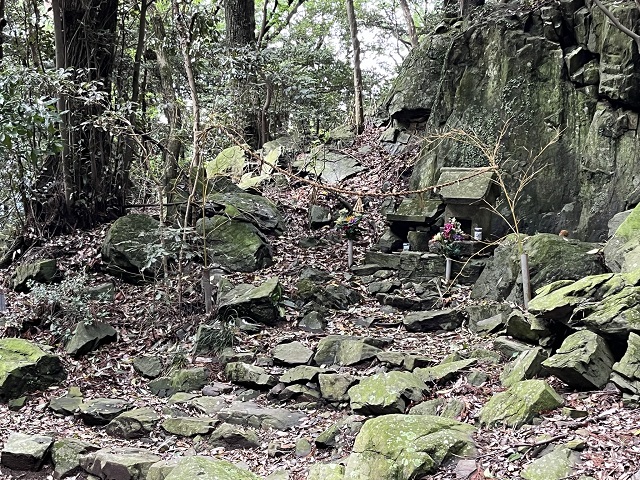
469, 198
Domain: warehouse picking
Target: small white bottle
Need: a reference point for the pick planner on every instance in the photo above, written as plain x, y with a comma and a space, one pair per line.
477, 234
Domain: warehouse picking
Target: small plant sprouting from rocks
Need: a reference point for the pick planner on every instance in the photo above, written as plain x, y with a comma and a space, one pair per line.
63, 305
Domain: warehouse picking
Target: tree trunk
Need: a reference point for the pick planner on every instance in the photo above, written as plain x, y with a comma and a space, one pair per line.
357, 72
3, 22
85, 42
411, 27
240, 22
240, 27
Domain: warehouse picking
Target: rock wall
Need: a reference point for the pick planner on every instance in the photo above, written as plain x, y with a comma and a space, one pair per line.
561, 66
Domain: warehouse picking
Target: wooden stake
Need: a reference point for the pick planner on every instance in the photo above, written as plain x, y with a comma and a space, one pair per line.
350, 252
526, 281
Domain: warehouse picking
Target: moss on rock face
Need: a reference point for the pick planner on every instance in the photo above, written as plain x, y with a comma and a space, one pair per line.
234, 244
25, 367
385, 393
622, 251
520, 403
397, 447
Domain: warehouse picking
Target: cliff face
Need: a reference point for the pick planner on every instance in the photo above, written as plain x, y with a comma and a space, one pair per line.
559, 66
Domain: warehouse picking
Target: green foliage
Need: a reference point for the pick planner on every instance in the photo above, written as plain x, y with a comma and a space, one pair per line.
62, 305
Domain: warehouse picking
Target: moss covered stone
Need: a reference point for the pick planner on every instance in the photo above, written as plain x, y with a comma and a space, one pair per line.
555, 465
520, 403
622, 251
65, 455
626, 372
445, 371
128, 247
25, 367
204, 468
397, 447
525, 367
260, 304
255, 209
583, 361
234, 244
125, 464
41, 271
345, 350
326, 471
385, 393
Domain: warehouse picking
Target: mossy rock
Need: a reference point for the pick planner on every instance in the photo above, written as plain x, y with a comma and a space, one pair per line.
397, 447
386, 393
622, 251
520, 403
255, 209
205, 468
25, 367
41, 271
551, 258
128, 248
235, 245
259, 304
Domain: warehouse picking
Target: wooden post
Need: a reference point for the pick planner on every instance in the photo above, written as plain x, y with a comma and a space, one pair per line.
526, 281
350, 252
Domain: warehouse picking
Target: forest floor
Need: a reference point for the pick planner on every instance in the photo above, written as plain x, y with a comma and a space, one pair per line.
150, 320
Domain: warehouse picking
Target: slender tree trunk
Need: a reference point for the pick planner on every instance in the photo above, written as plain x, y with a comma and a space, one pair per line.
3, 23
357, 71
411, 27
61, 62
172, 111
130, 150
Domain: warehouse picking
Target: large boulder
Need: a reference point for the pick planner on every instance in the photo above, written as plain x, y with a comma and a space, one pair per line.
235, 244
128, 248
607, 304
397, 447
520, 403
25, 367
255, 209
523, 67
551, 258
622, 251
385, 393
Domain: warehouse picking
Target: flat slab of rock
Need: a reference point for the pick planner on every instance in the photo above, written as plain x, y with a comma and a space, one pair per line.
189, 468
429, 321
135, 423
386, 393
25, 452
292, 353
301, 374
326, 471
25, 367
555, 465
68, 403
234, 436
346, 350
520, 403
101, 411
189, 426
253, 415
407, 446
583, 361
250, 376
127, 464
149, 366
88, 337
443, 372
